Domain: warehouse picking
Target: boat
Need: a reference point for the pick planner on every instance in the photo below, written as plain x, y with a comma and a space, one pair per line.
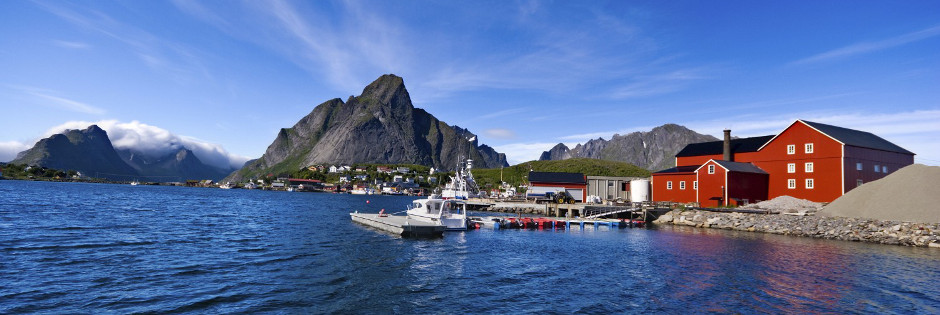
461, 185
228, 185
135, 183
362, 191
452, 213
250, 185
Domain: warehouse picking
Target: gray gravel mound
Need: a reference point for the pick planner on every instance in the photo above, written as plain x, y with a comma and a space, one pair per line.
910, 194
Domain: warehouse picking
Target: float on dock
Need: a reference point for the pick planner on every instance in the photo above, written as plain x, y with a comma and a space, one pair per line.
399, 225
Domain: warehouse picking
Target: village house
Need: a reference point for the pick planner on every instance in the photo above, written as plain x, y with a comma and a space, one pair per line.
806, 160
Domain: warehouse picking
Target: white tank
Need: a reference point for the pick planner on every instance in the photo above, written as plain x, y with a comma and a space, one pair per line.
639, 190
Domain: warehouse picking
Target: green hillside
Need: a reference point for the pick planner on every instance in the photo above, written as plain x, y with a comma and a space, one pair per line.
516, 174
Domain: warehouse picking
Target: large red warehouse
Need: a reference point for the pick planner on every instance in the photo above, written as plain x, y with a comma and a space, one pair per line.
806, 160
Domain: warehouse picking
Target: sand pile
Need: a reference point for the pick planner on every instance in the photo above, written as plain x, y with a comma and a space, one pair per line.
786, 204
910, 194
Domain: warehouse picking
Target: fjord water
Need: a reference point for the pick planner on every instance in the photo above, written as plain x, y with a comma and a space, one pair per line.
93, 248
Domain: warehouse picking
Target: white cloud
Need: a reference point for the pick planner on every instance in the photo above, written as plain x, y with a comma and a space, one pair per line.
156, 141
522, 152
9, 149
71, 44
867, 47
500, 133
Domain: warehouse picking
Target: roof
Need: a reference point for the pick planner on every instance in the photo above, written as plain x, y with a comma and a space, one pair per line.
857, 138
739, 145
304, 180
679, 169
555, 177
737, 166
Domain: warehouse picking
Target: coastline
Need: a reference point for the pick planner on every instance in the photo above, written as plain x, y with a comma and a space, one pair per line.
835, 228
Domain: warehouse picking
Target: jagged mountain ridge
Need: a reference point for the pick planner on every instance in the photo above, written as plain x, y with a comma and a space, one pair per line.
91, 152
379, 126
653, 150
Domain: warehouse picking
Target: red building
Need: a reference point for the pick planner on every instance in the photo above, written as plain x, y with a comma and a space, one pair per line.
807, 160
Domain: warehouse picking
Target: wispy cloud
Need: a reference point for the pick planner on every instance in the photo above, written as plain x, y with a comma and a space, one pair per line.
868, 47
505, 112
46, 97
71, 44
499, 133
163, 56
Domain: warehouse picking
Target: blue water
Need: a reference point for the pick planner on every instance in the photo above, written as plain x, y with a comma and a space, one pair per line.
96, 248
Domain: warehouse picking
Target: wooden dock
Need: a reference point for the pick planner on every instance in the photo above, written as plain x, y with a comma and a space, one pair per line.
399, 225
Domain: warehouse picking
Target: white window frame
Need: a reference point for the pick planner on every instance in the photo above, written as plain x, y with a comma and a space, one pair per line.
877, 168
682, 185
808, 148
809, 183
791, 183
858, 166
711, 169
808, 167
791, 168
669, 185
695, 185
791, 149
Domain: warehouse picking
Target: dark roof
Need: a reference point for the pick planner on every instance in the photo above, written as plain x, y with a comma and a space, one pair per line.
740, 167
857, 138
740, 145
554, 177
679, 169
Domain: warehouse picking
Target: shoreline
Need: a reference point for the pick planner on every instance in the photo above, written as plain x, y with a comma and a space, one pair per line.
815, 226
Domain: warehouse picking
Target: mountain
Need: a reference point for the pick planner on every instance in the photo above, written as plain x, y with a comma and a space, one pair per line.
653, 150
179, 165
379, 126
88, 151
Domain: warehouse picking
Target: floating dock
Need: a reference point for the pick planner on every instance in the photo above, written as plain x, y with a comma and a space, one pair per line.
399, 225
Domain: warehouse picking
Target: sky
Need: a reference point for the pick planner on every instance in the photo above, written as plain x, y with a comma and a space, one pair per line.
225, 76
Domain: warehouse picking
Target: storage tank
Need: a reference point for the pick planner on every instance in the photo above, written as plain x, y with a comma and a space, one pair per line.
639, 190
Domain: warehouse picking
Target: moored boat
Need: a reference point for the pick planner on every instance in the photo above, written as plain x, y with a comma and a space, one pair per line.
451, 213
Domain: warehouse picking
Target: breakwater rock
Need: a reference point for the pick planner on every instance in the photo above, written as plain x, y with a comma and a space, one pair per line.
838, 228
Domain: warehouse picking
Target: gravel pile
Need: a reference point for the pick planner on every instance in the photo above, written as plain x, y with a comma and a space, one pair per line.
786, 204
910, 194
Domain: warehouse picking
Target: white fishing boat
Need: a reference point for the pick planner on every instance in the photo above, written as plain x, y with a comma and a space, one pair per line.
250, 185
362, 191
452, 213
461, 185
135, 183
228, 185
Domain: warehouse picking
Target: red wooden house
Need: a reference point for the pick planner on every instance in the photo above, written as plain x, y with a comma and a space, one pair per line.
806, 160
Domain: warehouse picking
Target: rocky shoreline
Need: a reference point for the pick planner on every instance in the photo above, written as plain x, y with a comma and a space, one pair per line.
836, 228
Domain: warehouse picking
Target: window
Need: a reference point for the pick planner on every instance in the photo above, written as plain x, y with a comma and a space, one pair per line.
791, 149
682, 185
884, 169
791, 183
858, 166
877, 169
858, 182
808, 148
791, 167
809, 183
669, 185
711, 169
808, 167
695, 185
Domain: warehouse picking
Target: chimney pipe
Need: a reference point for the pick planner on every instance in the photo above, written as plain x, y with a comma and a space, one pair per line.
727, 149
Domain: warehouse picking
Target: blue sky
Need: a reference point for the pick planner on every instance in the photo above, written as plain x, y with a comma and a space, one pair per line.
524, 75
